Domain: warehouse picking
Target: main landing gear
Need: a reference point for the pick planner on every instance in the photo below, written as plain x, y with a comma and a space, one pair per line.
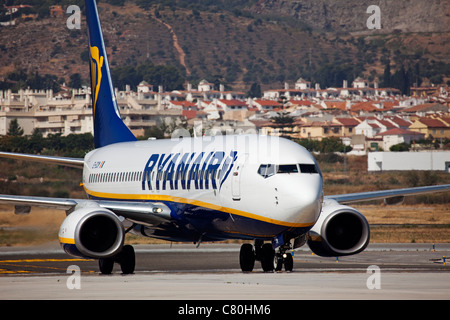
270, 259
126, 258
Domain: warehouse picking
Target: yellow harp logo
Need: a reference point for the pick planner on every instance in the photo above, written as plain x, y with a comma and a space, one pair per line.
96, 73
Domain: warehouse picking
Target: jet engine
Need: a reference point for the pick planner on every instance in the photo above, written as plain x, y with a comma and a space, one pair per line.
340, 230
92, 232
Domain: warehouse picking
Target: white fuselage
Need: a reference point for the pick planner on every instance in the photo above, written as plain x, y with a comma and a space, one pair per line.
262, 178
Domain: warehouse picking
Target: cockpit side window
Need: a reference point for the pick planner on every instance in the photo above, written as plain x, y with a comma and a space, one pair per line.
266, 170
308, 168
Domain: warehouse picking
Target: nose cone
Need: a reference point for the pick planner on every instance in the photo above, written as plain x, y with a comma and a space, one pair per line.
307, 199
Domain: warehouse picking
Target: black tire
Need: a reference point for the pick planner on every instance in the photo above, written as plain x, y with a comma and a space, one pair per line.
247, 257
127, 259
267, 257
288, 262
278, 261
106, 265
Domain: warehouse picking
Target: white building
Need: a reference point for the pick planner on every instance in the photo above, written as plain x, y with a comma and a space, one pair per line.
71, 112
302, 84
205, 86
395, 136
360, 83
392, 161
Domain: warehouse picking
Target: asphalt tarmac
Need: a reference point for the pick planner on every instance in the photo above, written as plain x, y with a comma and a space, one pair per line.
211, 272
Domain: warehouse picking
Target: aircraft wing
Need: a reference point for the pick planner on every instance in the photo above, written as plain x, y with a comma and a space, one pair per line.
70, 162
395, 195
151, 213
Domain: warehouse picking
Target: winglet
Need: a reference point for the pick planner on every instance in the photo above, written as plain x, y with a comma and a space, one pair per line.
108, 125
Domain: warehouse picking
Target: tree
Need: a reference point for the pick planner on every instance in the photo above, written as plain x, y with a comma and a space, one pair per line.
255, 91
400, 147
75, 81
14, 129
387, 75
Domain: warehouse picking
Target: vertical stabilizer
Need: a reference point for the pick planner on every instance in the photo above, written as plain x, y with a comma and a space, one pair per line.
108, 125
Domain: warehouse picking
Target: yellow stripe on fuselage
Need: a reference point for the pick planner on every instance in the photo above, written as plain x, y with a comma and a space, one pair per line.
158, 197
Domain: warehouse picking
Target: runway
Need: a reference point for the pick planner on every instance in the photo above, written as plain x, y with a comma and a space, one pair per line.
182, 271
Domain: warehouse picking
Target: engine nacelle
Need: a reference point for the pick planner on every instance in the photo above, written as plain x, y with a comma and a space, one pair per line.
340, 230
92, 232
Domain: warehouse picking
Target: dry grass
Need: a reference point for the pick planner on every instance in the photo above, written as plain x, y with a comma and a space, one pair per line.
42, 225
418, 223
409, 219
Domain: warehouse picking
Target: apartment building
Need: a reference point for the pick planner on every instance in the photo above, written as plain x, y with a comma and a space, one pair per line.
71, 112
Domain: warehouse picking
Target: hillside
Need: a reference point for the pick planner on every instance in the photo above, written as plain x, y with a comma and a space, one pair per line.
351, 15
269, 42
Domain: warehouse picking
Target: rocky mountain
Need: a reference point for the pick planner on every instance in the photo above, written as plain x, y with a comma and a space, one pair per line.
268, 42
352, 15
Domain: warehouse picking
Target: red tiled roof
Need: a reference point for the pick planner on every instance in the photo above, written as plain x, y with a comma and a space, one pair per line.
233, 102
189, 114
184, 104
400, 132
433, 123
348, 122
268, 103
420, 107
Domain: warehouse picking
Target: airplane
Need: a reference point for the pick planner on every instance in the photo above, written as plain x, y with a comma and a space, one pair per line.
265, 190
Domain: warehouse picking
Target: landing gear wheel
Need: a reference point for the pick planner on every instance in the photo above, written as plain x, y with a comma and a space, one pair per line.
278, 262
288, 262
106, 265
127, 259
247, 257
267, 257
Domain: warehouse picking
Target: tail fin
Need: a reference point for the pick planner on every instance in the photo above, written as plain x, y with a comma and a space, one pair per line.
108, 125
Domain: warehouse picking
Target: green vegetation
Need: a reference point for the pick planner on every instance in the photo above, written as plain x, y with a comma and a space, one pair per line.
73, 145
326, 145
167, 76
19, 79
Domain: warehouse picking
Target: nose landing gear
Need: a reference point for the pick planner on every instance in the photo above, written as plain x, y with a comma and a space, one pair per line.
270, 259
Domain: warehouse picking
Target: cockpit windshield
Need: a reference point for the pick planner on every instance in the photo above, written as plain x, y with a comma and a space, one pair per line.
287, 168
268, 170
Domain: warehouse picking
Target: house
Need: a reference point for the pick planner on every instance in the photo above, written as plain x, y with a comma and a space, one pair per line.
395, 136
302, 84
144, 87
341, 105
181, 105
431, 127
360, 83
266, 105
372, 126
372, 106
267, 127
369, 128
317, 130
205, 86
348, 126
231, 105
423, 109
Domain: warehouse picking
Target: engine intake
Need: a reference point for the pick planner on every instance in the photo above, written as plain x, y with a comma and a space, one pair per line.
340, 230
92, 232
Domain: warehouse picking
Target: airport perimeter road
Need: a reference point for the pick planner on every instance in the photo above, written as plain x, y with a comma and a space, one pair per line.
383, 271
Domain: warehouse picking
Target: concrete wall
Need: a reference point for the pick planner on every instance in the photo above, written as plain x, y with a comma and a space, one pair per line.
427, 160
